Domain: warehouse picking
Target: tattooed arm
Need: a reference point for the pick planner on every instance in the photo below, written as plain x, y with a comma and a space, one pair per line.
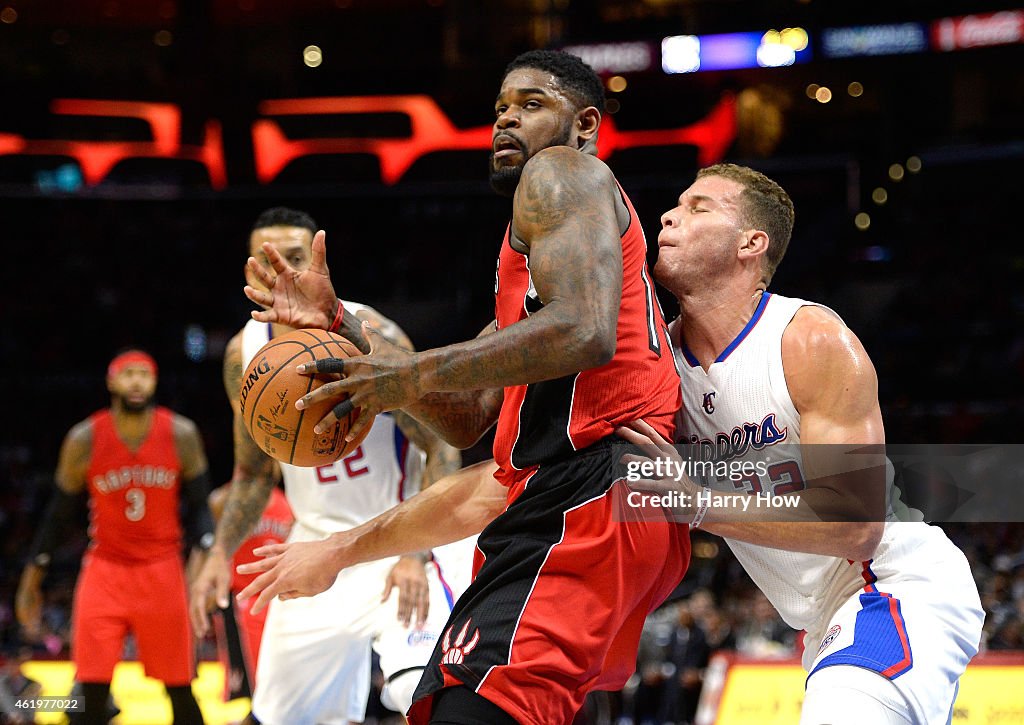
456, 420
566, 217
461, 417
254, 477
564, 214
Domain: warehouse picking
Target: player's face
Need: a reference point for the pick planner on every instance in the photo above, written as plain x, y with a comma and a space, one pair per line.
134, 386
295, 244
532, 113
700, 237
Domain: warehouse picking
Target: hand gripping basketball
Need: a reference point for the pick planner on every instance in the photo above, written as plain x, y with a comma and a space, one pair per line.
385, 379
270, 387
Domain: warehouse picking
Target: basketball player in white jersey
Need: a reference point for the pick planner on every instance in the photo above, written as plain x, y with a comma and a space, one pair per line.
891, 609
314, 664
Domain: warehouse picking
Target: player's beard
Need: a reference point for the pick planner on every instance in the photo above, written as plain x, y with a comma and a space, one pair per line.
505, 179
129, 406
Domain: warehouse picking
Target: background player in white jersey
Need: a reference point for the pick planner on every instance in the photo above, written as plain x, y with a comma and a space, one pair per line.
891, 610
314, 664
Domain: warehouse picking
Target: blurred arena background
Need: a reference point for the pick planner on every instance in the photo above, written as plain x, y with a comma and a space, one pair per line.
139, 139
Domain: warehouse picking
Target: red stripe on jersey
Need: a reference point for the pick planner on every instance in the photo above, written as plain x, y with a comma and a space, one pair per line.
901, 631
549, 420
133, 496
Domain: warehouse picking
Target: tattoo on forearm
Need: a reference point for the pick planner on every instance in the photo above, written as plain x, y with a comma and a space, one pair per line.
233, 369
456, 416
250, 491
255, 473
352, 330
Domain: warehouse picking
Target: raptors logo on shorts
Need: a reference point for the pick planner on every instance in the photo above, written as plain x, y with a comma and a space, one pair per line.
455, 654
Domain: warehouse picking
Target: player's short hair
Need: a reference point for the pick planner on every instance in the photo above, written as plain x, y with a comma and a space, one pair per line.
282, 216
576, 78
766, 206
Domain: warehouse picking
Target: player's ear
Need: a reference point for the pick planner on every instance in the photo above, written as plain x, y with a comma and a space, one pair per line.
587, 122
755, 243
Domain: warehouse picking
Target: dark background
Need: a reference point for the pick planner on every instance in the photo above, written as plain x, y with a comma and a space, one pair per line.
153, 255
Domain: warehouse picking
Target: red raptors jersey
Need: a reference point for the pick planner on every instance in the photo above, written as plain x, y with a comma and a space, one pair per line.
133, 497
548, 420
272, 528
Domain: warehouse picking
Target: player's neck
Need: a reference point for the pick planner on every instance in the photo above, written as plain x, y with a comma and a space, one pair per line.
712, 318
132, 425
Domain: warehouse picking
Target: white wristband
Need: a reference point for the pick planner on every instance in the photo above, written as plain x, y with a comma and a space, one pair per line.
702, 508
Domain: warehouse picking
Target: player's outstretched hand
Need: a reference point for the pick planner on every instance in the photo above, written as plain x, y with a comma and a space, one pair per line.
385, 379
289, 571
413, 592
209, 589
295, 298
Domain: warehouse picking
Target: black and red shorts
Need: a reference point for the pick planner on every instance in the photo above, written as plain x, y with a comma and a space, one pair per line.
556, 609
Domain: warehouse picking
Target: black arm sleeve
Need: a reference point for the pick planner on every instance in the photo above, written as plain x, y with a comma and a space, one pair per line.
195, 511
62, 514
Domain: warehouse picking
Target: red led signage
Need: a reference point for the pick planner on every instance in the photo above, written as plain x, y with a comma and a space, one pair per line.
433, 131
430, 130
978, 31
97, 158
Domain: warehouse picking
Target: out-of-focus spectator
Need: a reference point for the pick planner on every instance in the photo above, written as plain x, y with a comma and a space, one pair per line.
763, 633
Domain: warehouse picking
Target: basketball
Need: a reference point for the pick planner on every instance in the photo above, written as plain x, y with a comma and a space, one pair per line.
270, 387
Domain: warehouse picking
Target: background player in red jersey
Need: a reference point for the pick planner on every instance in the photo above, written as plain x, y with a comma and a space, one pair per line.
145, 474
240, 631
579, 343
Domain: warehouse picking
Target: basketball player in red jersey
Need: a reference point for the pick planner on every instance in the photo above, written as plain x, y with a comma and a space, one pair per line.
579, 343
240, 631
145, 474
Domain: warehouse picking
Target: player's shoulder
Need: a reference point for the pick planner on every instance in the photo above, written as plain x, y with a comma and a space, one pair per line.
233, 350
819, 353
80, 434
235, 343
182, 426
817, 331
567, 163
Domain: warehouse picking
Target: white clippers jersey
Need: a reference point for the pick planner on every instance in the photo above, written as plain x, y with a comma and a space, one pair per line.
383, 471
743, 404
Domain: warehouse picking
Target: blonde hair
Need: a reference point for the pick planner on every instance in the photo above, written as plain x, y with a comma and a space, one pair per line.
766, 207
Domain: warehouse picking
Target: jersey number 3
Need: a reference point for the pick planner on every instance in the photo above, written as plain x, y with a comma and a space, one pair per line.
136, 508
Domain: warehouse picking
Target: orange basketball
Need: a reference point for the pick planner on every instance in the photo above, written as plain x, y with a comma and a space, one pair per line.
270, 387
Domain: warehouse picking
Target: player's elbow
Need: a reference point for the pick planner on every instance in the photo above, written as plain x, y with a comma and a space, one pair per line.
462, 439
595, 343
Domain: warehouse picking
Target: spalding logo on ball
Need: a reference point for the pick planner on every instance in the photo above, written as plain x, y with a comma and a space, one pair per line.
270, 387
